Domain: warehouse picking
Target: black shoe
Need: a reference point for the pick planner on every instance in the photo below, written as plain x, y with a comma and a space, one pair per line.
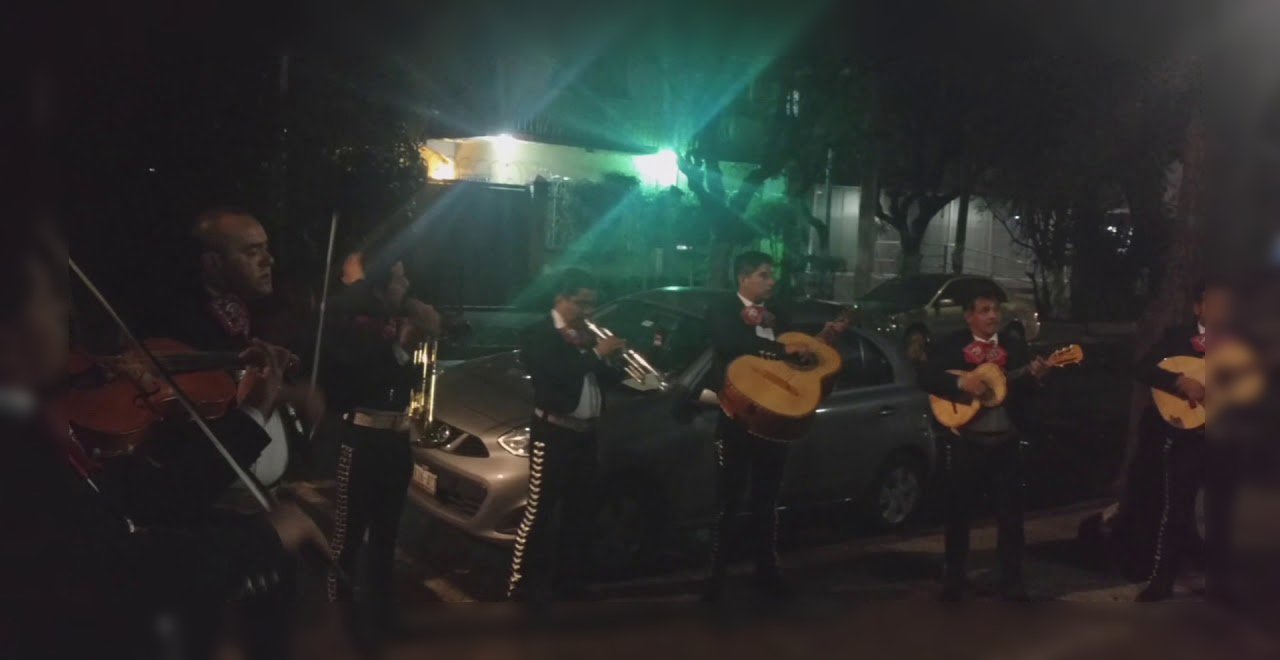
1155, 592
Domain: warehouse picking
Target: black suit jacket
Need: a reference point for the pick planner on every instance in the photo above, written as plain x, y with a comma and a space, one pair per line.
732, 338
1175, 341
946, 353
78, 580
358, 366
177, 477
556, 368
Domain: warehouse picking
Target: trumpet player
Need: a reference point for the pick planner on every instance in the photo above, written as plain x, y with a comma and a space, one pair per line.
567, 365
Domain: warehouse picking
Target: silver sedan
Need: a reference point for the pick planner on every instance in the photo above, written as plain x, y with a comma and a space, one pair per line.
871, 444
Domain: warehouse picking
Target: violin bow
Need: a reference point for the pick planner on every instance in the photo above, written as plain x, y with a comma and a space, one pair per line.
255, 487
324, 302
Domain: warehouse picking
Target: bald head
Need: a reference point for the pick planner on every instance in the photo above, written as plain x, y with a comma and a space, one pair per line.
235, 258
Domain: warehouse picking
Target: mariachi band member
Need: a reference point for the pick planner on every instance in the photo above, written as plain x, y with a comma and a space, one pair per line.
229, 290
372, 329
742, 325
568, 370
986, 452
1180, 453
80, 574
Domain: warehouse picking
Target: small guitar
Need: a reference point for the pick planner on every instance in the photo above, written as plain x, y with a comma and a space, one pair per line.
1234, 376
956, 413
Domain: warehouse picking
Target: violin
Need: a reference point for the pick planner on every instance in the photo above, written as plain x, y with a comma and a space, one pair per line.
114, 402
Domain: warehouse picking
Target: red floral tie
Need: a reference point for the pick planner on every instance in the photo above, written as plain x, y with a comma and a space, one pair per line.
981, 351
757, 315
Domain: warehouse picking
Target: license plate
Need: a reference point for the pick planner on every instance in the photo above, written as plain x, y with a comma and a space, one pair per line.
425, 478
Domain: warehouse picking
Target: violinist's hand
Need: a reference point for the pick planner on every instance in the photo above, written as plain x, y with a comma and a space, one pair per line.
263, 379
297, 531
423, 316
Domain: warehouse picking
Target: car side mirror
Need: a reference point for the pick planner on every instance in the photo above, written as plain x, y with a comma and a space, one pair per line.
944, 302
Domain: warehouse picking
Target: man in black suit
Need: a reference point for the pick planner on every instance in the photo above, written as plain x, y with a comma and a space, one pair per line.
81, 576
567, 367
372, 329
986, 452
743, 325
1179, 453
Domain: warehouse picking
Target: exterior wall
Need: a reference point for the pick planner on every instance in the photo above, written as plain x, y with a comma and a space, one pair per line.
989, 249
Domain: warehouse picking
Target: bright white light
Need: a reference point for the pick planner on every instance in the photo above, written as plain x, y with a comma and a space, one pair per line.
682, 248
1112, 229
1017, 217
661, 169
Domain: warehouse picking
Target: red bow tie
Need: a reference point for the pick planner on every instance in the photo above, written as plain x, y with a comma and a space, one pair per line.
982, 350
232, 314
757, 315
1200, 342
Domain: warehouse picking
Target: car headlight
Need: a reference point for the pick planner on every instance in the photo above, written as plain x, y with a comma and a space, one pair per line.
516, 441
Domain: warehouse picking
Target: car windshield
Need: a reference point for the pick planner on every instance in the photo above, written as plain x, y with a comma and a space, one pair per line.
668, 339
904, 293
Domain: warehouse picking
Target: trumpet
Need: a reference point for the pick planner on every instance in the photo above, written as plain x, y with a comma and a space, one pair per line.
637, 367
422, 405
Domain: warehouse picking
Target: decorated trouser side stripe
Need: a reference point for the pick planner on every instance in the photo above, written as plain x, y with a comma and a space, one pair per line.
1162, 532
754, 466
341, 517
530, 519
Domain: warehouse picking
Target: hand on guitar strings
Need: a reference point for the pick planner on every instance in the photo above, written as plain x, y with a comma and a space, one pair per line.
801, 355
972, 385
1191, 389
1039, 367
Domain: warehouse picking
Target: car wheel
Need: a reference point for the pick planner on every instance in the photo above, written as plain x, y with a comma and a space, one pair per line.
916, 344
625, 531
1015, 331
898, 491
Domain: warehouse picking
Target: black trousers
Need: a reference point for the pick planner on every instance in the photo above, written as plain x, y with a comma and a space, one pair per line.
747, 462
551, 542
968, 469
374, 469
1182, 462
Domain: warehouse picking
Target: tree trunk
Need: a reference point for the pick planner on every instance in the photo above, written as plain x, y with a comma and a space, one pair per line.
962, 230
864, 264
719, 257
1182, 268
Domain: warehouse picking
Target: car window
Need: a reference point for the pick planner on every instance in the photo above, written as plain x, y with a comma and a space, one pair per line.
904, 293
668, 339
865, 365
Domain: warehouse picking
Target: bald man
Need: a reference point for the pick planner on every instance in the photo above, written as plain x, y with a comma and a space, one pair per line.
236, 258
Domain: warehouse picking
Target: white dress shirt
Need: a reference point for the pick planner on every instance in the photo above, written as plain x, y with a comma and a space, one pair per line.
590, 401
761, 331
274, 458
